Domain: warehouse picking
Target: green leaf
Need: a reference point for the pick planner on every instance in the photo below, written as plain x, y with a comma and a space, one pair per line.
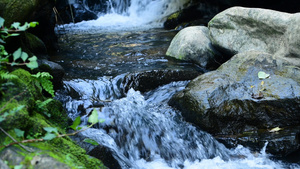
33, 24
15, 25
16, 109
1, 119
49, 136
33, 58
91, 141
19, 133
17, 54
14, 34
24, 56
2, 41
76, 122
24, 27
18, 166
32, 63
1, 21
262, 75
51, 129
93, 118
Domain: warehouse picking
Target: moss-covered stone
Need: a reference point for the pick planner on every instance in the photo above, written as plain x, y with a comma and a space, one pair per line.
31, 117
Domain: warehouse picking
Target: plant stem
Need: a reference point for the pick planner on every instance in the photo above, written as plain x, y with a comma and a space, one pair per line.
15, 141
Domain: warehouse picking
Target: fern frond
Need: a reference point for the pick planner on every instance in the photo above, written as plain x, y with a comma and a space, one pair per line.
44, 79
7, 76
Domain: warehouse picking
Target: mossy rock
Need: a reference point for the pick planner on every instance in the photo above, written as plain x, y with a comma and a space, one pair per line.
50, 155
10, 10
32, 119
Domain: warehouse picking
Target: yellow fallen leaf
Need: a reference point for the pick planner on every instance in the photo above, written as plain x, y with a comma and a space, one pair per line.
262, 83
251, 87
275, 129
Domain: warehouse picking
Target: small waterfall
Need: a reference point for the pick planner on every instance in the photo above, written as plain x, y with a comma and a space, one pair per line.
143, 132
129, 14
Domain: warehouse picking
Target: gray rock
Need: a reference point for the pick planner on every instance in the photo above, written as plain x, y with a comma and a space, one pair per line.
239, 29
3, 165
290, 50
193, 44
14, 157
226, 101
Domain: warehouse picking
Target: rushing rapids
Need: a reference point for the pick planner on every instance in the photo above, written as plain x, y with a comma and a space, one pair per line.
140, 129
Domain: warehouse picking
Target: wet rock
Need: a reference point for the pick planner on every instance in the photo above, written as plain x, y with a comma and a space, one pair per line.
100, 152
35, 45
149, 80
282, 143
239, 29
39, 11
222, 102
70, 11
56, 70
105, 155
195, 14
193, 44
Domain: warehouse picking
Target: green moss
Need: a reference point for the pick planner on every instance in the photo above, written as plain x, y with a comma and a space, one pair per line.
174, 15
74, 155
32, 120
14, 120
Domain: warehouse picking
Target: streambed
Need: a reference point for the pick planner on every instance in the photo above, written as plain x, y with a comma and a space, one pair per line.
140, 130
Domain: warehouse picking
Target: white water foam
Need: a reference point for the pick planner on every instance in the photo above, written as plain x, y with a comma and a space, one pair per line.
139, 15
146, 134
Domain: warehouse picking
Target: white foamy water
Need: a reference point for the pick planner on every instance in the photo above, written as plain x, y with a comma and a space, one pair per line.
145, 133
141, 130
133, 15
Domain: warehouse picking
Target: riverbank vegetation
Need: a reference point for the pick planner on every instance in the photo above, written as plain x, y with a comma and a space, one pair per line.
33, 125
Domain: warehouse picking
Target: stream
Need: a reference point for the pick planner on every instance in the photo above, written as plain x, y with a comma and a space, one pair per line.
140, 129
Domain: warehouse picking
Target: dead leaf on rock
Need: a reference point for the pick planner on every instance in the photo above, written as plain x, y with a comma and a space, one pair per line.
276, 129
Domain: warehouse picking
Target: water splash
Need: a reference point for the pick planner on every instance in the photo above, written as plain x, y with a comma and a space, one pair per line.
130, 15
143, 132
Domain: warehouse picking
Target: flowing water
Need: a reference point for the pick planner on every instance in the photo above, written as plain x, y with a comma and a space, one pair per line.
140, 129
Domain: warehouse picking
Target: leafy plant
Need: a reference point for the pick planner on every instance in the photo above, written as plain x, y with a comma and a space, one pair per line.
52, 133
44, 82
41, 106
18, 57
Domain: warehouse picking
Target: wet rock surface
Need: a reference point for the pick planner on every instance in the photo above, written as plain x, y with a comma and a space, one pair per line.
282, 143
149, 80
223, 101
234, 103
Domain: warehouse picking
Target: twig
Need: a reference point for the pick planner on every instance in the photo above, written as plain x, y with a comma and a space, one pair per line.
40, 139
15, 141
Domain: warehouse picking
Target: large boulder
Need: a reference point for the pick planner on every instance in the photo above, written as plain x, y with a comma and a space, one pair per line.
232, 99
193, 44
241, 29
